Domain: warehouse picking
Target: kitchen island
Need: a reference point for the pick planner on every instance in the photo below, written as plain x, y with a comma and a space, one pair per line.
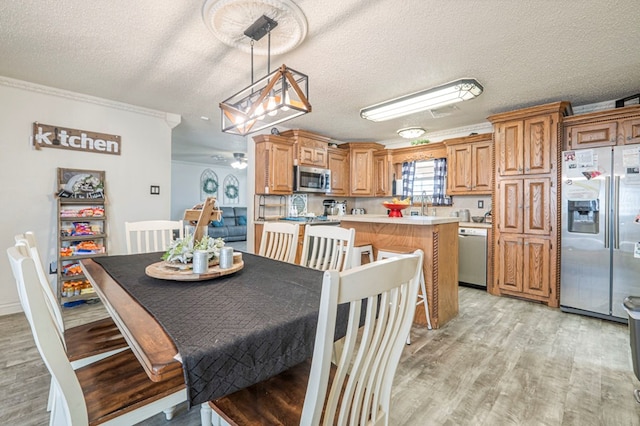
437, 237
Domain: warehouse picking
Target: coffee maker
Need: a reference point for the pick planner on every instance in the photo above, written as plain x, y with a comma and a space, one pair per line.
330, 208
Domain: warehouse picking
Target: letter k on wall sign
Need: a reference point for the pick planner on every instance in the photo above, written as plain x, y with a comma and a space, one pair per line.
46, 136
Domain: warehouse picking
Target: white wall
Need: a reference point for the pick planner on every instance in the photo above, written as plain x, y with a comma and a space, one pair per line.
29, 176
185, 186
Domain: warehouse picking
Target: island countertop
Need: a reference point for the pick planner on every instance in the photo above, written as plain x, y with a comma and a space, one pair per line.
406, 220
436, 236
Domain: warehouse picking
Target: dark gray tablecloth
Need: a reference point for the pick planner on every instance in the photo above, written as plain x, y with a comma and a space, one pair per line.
232, 331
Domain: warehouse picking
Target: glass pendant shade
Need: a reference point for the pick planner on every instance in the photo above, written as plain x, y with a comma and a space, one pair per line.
411, 132
456, 91
275, 98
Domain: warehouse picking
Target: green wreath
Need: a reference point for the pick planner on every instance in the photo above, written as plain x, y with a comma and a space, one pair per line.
231, 191
210, 186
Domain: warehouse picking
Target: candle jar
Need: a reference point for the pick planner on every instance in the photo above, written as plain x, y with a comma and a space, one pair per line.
200, 262
226, 257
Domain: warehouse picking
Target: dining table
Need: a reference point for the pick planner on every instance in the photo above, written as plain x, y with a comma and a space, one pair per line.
223, 334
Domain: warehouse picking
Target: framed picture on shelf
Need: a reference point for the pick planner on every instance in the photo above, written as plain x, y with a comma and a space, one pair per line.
80, 184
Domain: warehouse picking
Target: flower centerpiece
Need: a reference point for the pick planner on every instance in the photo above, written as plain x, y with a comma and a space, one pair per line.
181, 250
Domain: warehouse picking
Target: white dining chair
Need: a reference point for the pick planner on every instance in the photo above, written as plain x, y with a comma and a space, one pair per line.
357, 390
84, 343
151, 235
114, 390
280, 241
327, 247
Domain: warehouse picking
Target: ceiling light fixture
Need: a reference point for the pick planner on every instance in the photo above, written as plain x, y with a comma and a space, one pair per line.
456, 91
279, 96
240, 161
411, 132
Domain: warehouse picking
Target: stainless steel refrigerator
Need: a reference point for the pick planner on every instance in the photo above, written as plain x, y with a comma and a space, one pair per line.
600, 246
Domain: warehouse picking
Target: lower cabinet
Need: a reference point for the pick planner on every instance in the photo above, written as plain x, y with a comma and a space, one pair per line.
524, 266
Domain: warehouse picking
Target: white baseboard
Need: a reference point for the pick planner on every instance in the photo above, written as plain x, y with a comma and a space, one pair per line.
10, 308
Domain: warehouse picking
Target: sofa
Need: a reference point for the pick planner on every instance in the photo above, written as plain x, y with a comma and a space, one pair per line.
232, 226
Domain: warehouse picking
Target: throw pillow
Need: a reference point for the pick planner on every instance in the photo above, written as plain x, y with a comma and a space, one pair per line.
242, 220
218, 223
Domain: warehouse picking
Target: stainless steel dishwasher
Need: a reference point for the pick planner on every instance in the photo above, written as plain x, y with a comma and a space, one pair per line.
472, 256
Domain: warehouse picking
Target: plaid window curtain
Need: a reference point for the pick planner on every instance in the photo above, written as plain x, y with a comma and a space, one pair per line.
439, 183
408, 175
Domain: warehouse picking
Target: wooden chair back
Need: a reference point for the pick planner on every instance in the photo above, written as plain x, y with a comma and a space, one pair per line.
28, 239
115, 389
356, 389
151, 235
49, 342
327, 247
280, 241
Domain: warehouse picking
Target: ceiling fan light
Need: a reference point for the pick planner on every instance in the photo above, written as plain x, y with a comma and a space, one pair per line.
411, 132
240, 161
455, 91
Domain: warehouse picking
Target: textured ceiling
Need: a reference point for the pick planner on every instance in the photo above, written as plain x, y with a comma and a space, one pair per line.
160, 55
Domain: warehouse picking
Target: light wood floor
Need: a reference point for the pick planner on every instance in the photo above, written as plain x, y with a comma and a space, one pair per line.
500, 362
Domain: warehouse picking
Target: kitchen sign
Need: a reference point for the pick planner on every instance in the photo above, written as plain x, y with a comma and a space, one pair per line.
46, 136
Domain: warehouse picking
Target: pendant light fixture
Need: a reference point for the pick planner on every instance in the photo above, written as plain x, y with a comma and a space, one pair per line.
277, 97
456, 91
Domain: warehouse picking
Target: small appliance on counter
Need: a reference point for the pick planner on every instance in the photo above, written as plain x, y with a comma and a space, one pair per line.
330, 208
358, 211
342, 208
465, 215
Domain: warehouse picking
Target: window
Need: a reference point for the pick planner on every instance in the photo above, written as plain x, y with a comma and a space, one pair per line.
423, 180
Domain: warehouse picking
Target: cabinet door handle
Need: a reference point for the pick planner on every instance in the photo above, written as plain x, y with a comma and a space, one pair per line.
519, 169
628, 138
526, 169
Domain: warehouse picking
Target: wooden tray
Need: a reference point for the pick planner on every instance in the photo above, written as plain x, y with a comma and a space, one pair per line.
162, 271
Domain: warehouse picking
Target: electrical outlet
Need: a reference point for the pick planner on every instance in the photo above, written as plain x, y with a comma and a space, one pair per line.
155, 190
480, 204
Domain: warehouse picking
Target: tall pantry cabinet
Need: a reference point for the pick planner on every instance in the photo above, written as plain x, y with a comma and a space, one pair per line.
526, 199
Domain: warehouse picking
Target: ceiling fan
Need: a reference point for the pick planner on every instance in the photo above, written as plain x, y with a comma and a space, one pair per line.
240, 161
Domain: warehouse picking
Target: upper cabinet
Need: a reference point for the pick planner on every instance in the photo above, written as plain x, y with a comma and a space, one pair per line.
523, 146
620, 126
382, 175
310, 148
361, 158
470, 165
274, 165
338, 163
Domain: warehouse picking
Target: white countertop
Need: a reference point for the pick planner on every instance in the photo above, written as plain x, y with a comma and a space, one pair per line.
406, 220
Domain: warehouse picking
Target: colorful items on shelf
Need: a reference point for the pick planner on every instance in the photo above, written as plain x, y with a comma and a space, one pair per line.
78, 248
81, 228
71, 269
95, 211
76, 288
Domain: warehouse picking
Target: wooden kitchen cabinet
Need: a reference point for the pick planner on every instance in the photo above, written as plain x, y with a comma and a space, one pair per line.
525, 206
525, 266
274, 165
382, 175
338, 163
619, 126
525, 209
523, 147
470, 165
310, 148
361, 159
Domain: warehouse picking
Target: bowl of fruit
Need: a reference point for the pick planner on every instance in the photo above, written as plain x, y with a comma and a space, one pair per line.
396, 206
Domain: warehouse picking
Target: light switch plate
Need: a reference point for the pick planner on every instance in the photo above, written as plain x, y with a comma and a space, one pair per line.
155, 190
480, 204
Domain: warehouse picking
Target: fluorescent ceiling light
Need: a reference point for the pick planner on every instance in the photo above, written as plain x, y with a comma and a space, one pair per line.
456, 91
411, 132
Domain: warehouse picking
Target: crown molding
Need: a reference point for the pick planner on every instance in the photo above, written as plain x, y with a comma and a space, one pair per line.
169, 118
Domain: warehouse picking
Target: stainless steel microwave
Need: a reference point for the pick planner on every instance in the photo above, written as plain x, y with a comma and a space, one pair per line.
311, 179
